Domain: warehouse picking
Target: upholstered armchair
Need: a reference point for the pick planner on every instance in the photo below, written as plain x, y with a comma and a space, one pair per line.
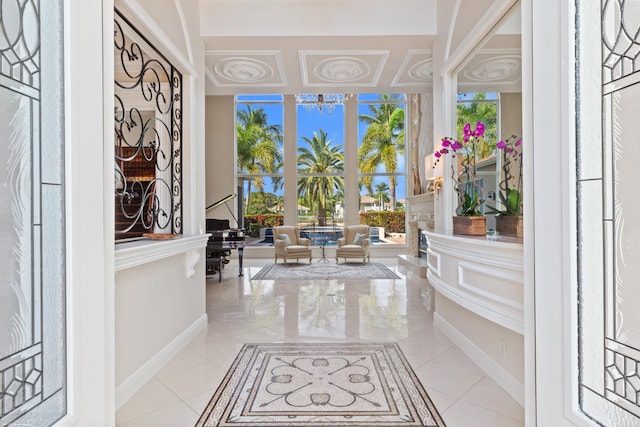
355, 243
289, 244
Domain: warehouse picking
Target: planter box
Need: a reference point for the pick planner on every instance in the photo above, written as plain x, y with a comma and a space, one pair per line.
470, 225
509, 225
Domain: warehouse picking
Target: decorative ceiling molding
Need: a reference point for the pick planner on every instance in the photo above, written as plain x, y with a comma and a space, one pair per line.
245, 68
422, 71
416, 68
341, 70
356, 68
494, 69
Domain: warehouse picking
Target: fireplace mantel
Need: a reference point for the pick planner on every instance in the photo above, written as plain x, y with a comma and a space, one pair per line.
421, 216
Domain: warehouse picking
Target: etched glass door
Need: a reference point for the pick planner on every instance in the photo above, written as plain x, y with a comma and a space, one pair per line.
609, 227
32, 249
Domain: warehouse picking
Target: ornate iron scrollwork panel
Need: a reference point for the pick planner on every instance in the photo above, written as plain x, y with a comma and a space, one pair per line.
147, 135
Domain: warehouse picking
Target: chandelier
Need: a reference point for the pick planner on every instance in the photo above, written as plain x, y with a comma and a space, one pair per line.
323, 102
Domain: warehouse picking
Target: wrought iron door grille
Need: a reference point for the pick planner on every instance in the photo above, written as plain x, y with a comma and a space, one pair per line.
147, 136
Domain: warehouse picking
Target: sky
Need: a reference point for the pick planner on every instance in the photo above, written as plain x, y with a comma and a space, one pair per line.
333, 123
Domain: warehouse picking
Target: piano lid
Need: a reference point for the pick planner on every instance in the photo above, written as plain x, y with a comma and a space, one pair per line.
219, 202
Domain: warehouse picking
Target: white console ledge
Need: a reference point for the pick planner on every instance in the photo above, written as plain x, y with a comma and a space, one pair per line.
485, 276
139, 252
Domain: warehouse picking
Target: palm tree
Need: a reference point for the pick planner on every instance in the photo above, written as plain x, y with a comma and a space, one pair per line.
259, 146
320, 158
383, 142
279, 204
485, 112
381, 193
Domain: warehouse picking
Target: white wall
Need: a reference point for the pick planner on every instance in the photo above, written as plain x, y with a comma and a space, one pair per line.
220, 153
510, 114
158, 303
155, 304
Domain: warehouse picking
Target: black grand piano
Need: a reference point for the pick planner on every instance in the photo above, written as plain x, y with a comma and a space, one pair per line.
222, 241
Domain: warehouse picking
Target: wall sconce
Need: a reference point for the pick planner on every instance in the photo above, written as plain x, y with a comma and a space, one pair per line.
433, 172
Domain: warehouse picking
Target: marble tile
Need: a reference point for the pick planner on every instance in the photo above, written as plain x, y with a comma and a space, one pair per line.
204, 378
455, 358
463, 414
242, 311
424, 348
152, 397
442, 400
446, 379
199, 402
489, 395
221, 353
179, 414
184, 360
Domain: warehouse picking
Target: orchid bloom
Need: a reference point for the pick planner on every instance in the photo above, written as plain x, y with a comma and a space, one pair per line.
469, 194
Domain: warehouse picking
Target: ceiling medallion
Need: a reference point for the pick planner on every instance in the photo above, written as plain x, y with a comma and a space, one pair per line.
422, 71
243, 70
323, 102
494, 69
341, 70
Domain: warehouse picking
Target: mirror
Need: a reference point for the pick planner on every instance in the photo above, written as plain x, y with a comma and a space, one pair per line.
489, 89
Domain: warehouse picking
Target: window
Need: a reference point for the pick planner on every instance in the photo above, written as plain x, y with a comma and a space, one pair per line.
382, 166
260, 163
320, 170
320, 167
147, 137
483, 107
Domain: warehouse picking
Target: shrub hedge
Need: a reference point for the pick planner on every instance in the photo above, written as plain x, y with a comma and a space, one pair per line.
253, 223
393, 222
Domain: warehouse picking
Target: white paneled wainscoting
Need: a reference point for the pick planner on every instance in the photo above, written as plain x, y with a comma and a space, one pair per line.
479, 302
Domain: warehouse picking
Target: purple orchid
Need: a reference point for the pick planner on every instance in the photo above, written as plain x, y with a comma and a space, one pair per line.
466, 184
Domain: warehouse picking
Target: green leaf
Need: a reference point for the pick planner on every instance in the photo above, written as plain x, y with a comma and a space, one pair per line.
514, 202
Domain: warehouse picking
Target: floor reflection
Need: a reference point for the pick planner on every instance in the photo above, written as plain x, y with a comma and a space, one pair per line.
314, 310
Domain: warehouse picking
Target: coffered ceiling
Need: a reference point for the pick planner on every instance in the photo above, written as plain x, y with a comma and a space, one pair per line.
350, 46
313, 64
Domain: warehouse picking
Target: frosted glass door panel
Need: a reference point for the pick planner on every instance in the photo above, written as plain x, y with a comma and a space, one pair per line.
609, 230
17, 320
32, 245
624, 115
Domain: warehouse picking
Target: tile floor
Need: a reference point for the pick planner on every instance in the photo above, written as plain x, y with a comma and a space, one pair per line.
240, 310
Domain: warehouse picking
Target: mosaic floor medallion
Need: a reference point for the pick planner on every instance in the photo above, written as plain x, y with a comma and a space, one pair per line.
347, 385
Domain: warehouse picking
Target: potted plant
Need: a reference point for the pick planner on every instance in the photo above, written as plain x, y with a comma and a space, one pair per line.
509, 219
469, 219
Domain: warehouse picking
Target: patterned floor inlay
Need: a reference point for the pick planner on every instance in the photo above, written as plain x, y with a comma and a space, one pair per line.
325, 271
346, 385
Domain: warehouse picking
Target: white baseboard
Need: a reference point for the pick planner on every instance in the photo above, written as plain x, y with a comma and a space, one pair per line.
492, 368
127, 388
